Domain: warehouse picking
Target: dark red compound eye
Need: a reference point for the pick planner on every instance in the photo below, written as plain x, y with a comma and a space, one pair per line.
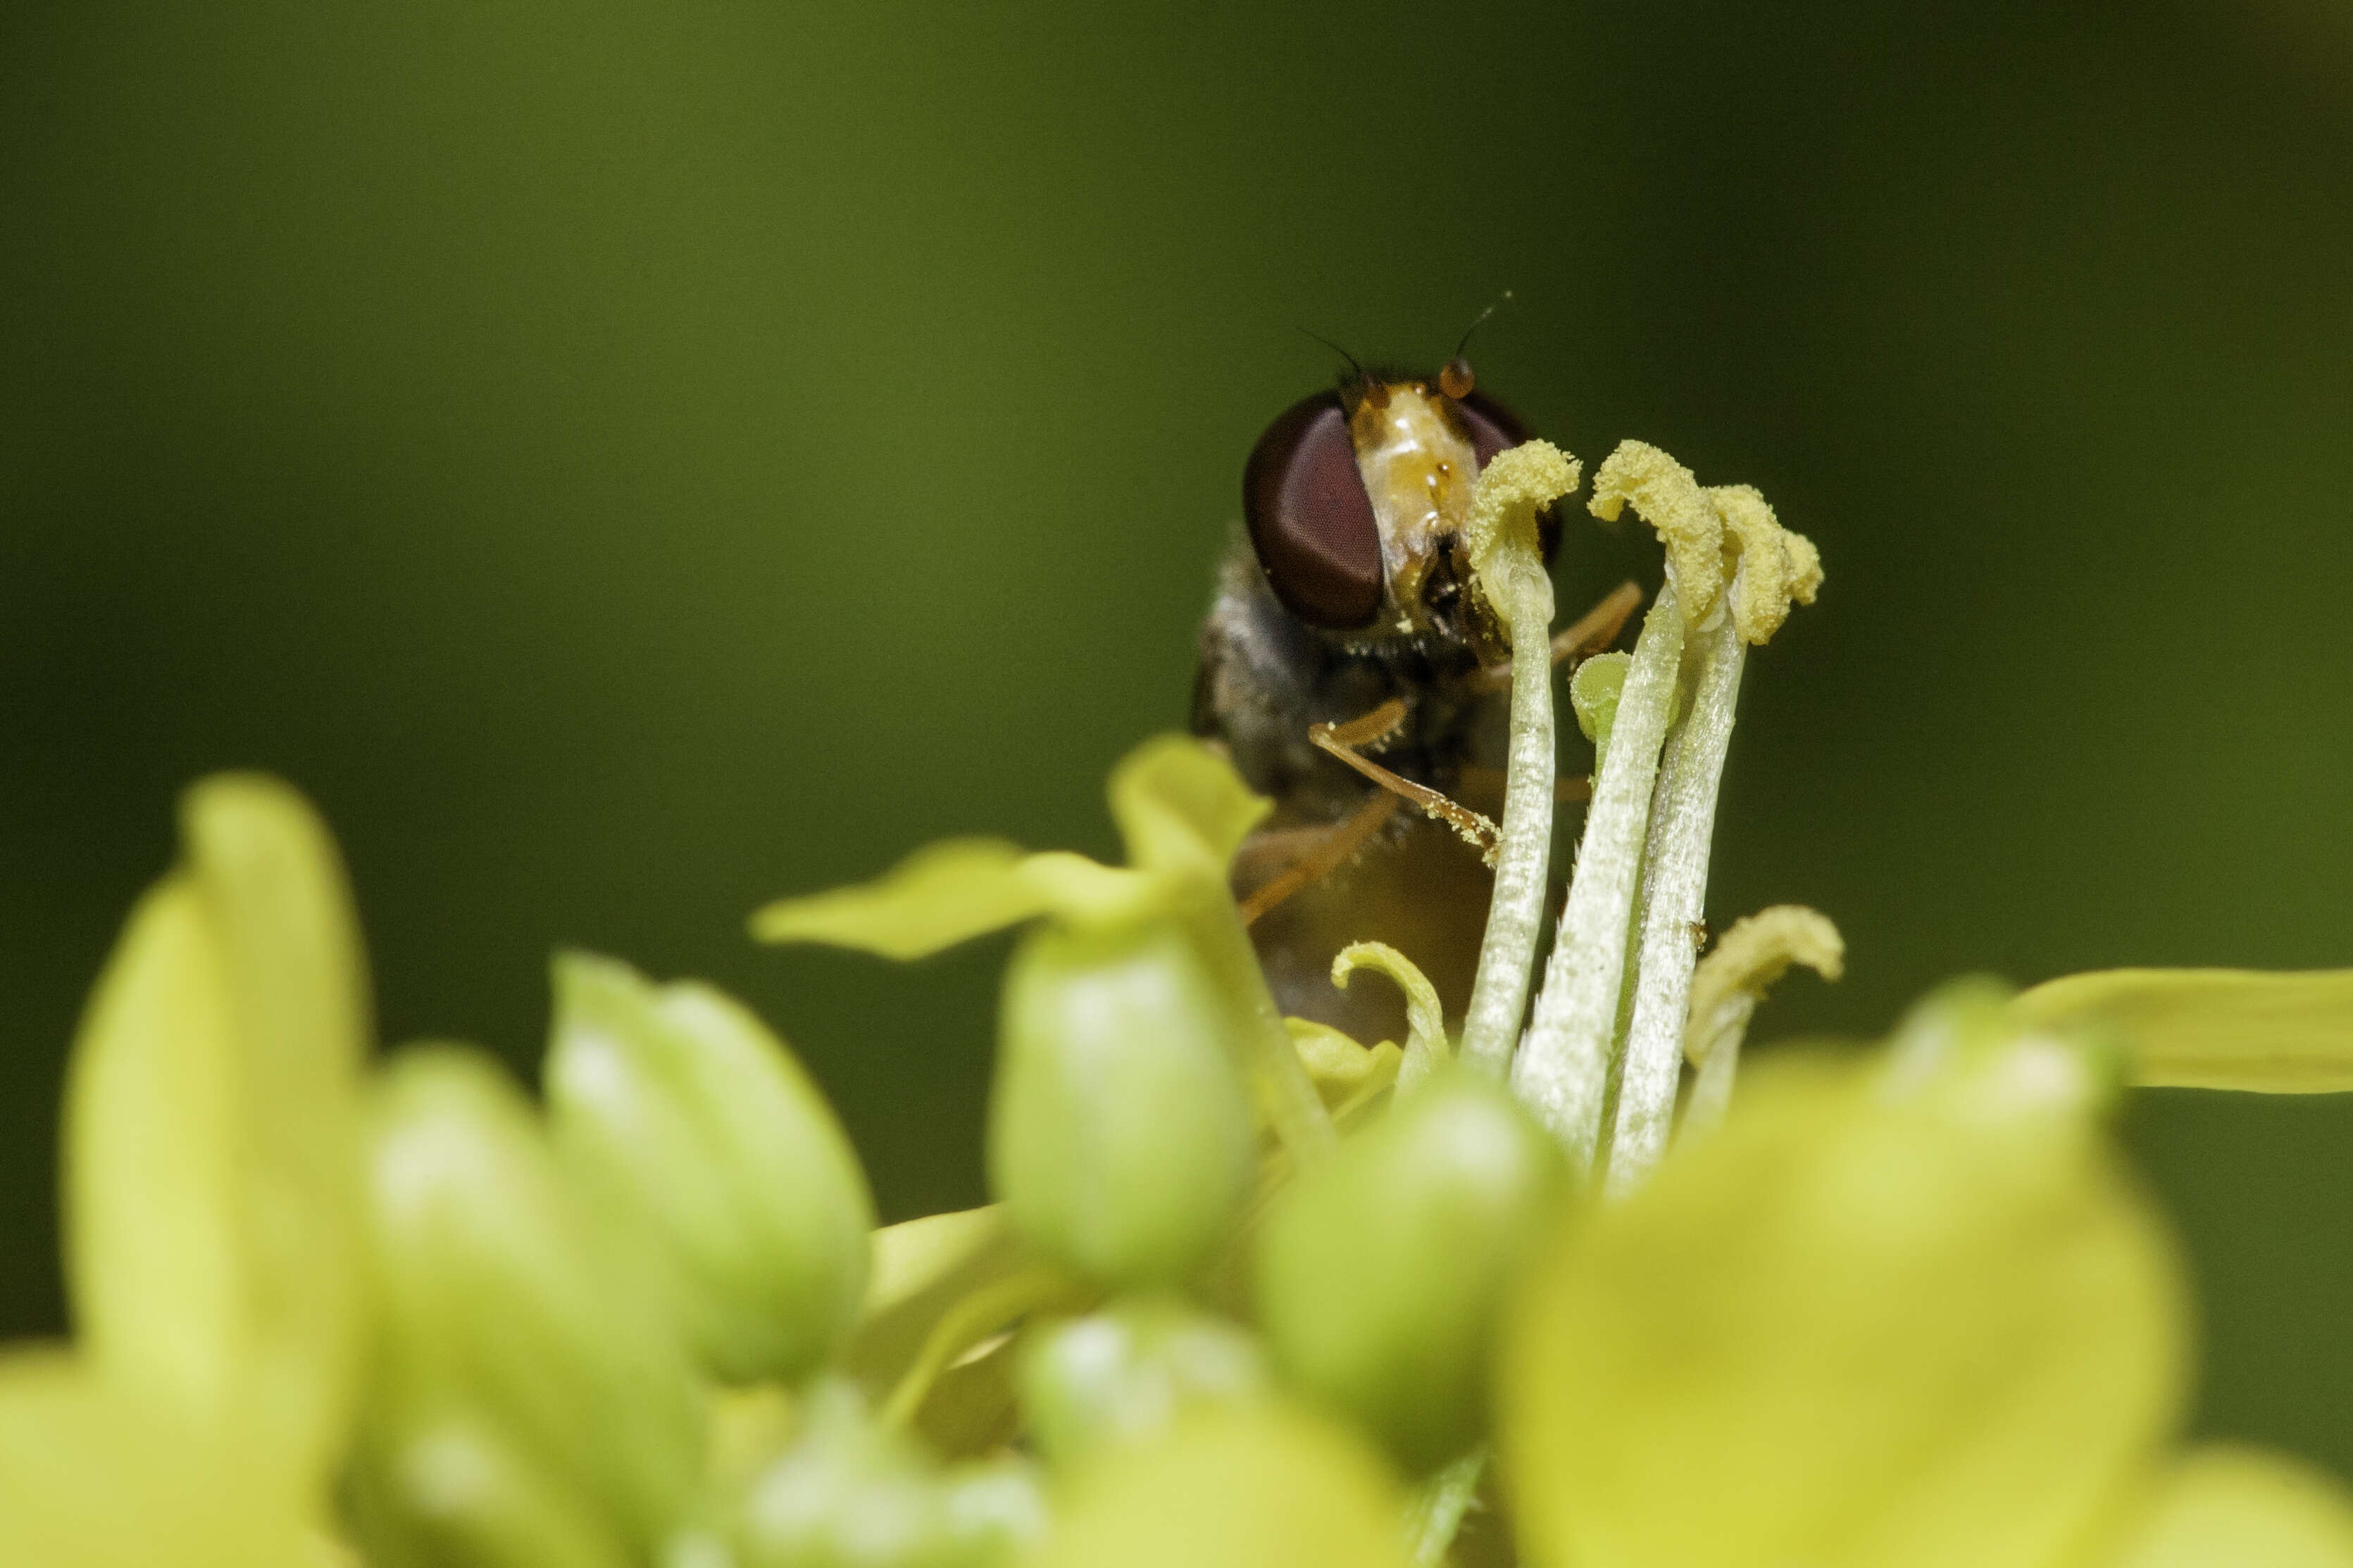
1309, 520
1493, 427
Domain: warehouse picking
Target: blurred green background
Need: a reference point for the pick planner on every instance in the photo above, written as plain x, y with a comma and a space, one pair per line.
628, 459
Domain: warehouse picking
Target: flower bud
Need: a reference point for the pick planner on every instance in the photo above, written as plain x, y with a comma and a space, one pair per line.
1126, 1373
1119, 1135
503, 1305
1264, 1487
850, 1493
996, 1510
1963, 1048
211, 1212
689, 1123
452, 1491
1382, 1272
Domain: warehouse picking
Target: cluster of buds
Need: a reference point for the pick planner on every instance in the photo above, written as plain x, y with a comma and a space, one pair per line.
1534, 1285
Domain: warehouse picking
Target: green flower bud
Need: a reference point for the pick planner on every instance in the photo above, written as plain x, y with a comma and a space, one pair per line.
502, 1303
211, 1212
451, 1491
1965, 1046
690, 1124
1261, 1486
996, 1511
1125, 1374
1381, 1273
1120, 1135
850, 1493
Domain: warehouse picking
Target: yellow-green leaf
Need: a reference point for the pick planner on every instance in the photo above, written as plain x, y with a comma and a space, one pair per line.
921, 1269
942, 894
1851, 1330
2214, 1028
211, 1199
957, 890
2222, 1506
1181, 808
1342, 1070
1255, 1487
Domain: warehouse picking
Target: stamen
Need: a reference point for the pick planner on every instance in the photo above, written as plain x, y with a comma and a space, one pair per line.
1674, 896
1435, 1515
1426, 1045
1770, 566
1563, 1067
1747, 961
1654, 814
1502, 537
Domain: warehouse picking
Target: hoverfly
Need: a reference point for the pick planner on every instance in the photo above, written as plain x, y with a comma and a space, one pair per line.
1353, 670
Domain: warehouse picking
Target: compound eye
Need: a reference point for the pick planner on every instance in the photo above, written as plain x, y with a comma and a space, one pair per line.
1311, 520
1493, 428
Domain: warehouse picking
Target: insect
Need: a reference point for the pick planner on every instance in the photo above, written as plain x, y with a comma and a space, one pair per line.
1354, 672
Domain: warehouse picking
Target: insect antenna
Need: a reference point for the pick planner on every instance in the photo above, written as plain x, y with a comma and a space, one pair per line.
1361, 373
1480, 321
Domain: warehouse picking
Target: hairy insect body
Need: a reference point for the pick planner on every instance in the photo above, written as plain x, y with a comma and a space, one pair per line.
1347, 665
1265, 678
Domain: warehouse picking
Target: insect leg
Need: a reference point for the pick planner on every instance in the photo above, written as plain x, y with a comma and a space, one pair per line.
1327, 853
1342, 741
1476, 781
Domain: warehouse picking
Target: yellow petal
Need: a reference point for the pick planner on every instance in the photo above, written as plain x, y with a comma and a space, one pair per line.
2224, 1507
2213, 1028
1258, 1487
1182, 808
1848, 1332
210, 1129
92, 1477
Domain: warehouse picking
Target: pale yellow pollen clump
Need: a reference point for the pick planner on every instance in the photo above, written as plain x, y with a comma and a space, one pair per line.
1512, 490
1746, 960
1776, 567
1670, 499
1713, 536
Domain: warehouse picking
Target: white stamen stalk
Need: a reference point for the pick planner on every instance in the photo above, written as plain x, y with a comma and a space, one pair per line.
1499, 995
1563, 1067
1501, 535
1674, 895
1434, 1516
1726, 988
1711, 1094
